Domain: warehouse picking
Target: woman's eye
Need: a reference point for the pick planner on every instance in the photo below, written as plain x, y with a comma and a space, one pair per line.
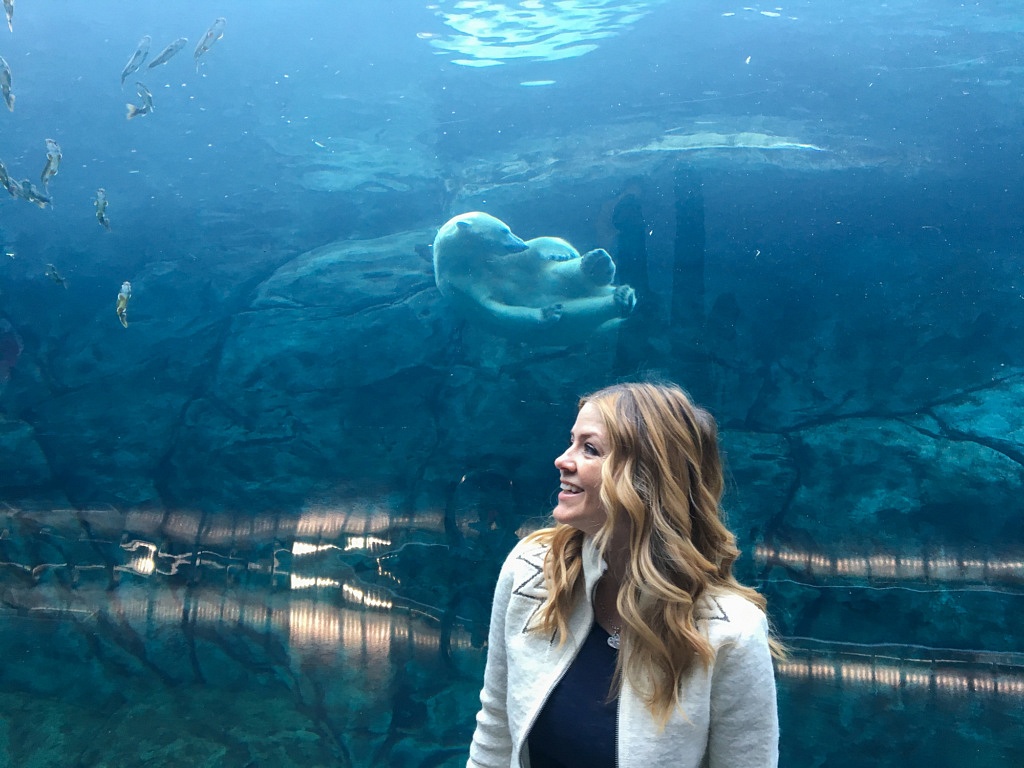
590, 450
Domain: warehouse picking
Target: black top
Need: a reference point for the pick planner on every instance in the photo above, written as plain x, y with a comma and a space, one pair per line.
576, 726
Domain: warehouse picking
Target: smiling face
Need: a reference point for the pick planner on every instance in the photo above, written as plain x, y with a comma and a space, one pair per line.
579, 469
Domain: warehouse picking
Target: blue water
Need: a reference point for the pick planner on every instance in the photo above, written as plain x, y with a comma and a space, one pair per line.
260, 525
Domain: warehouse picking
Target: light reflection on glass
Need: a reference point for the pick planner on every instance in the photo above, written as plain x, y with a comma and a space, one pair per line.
144, 566
300, 548
371, 543
982, 674
233, 569
893, 567
299, 579
307, 582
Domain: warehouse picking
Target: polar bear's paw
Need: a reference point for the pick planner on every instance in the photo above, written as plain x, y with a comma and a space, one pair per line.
598, 267
625, 300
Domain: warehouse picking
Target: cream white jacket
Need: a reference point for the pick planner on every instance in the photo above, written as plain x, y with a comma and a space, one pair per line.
728, 716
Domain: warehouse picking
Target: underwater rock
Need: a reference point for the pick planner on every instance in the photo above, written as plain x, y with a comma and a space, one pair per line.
23, 461
952, 493
105, 407
11, 347
151, 725
763, 474
990, 416
351, 329
884, 519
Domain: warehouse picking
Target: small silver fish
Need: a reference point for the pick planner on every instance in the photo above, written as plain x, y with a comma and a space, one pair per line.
101, 208
9, 9
28, 191
53, 157
122, 302
213, 34
136, 60
147, 102
167, 52
52, 273
5, 83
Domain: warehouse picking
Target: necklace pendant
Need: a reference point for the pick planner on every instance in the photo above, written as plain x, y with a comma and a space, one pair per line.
613, 640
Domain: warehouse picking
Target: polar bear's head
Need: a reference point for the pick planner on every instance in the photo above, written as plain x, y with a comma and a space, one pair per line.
476, 233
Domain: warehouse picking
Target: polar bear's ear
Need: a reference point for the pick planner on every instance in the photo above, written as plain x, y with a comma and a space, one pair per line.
463, 224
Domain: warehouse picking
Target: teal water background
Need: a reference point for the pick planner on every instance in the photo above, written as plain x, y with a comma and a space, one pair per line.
261, 524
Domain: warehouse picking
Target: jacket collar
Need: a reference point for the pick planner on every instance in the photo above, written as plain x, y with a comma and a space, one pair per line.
594, 565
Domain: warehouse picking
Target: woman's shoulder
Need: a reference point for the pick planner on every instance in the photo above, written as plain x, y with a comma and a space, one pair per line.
528, 553
522, 576
727, 615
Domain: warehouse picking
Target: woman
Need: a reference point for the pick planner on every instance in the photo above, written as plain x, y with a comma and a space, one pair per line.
620, 637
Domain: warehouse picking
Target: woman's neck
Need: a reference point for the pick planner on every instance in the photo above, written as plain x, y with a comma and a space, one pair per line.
616, 556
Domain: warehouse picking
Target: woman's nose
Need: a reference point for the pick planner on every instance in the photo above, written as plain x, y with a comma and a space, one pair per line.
563, 462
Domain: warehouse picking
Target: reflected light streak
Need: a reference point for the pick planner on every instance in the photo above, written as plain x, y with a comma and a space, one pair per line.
370, 543
313, 623
300, 548
889, 567
361, 597
939, 677
148, 564
373, 637
309, 582
183, 524
304, 623
360, 525
361, 518
144, 566
344, 614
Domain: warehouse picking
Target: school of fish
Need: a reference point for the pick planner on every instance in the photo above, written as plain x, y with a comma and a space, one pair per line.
26, 190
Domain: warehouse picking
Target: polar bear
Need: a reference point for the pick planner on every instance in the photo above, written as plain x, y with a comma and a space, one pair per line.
541, 287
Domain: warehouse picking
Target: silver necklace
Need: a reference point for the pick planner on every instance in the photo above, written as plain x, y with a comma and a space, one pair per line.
615, 638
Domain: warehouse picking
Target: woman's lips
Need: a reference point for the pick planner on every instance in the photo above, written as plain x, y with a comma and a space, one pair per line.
568, 490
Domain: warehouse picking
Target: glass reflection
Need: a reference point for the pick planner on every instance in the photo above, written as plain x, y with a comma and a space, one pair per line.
981, 673
367, 627
909, 566
242, 571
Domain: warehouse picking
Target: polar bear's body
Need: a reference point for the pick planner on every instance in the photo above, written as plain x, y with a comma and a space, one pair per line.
540, 287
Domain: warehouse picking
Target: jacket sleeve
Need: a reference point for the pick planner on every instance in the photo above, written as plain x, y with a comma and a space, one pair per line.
492, 745
744, 713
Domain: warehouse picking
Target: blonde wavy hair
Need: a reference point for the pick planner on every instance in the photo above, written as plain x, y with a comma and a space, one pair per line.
662, 479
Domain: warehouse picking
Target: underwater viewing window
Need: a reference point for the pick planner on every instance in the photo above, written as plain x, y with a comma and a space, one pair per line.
297, 303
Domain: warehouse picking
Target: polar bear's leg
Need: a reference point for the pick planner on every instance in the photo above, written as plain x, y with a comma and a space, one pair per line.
571, 318
515, 316
580, 316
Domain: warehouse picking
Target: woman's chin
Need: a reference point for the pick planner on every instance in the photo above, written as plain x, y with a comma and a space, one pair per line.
563, 515
580, 520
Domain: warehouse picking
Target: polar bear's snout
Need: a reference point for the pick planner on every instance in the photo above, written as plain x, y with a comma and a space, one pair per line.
515, 244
